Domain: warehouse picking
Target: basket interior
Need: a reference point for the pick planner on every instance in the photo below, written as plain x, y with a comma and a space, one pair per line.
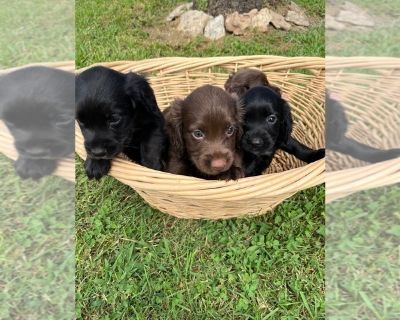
371, 101
305, 92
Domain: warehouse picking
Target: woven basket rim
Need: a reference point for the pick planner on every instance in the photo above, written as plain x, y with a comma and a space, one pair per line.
307, 175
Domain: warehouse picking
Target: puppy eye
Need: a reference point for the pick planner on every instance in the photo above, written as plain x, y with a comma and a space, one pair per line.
198, 134
65, 123
115, 121
230, 131
271, 119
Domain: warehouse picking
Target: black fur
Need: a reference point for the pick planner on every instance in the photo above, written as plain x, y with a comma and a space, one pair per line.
37, 106
336, 140
267, 128
118, 113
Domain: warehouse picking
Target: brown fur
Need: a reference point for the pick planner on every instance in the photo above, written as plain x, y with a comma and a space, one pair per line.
243, 80
211, 110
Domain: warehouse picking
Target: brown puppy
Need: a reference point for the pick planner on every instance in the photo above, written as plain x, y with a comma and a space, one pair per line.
243, 80
204, 132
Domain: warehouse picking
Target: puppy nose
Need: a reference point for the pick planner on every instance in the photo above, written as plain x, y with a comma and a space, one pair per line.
256, 142
218, 163
98, 152
35, 151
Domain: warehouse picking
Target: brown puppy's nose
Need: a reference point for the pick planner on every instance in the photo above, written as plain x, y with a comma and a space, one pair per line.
218, 163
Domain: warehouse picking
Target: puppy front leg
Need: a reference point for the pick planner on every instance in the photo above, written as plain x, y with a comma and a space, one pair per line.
236, 170
153, 149
97, 168
363, 152
301, 151
34, 168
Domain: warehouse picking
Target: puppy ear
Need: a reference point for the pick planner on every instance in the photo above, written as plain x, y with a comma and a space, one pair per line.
276, 90
141, 94
173, 126
233, 88
228, 82
239, 121
287, 122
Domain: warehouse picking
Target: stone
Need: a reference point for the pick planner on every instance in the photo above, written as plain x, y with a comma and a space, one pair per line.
193, 22
332, 24
215, 28
352, 14
357, 19
261, 20
297, 15
237, 23
279, 22
179, 10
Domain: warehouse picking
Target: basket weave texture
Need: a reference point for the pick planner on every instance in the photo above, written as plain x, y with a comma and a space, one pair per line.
369, 89
301, 79
65, 167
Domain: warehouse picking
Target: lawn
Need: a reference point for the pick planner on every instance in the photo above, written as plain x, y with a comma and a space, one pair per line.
362, 255
134, 262
381, 40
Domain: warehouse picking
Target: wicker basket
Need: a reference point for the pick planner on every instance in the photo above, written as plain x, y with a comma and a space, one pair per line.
66, 167
302, 79
369, 88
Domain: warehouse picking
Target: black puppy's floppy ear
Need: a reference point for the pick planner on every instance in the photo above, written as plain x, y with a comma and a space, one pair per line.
174, 127
141, 94
238, 119
287, 121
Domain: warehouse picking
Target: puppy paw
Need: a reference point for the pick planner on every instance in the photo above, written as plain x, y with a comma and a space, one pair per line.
237, 173
97, 168
234, 173
34, 168
155, 165
319, 154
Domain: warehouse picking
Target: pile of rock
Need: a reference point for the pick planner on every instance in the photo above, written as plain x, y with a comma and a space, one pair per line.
197, 22
347, 16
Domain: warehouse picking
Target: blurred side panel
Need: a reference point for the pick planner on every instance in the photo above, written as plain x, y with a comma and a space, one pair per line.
37, 52
362, 159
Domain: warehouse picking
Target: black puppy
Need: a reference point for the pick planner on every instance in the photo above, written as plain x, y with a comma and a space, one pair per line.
267, 128
336, 140
118, 113
37, 106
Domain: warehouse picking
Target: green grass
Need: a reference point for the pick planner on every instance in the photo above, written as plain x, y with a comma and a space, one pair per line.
36, 31
380, 40
134, 262
126, 29
362, 255
36, 247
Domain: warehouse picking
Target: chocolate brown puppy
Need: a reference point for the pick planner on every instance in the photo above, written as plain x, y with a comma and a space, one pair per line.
204, 131
243, 80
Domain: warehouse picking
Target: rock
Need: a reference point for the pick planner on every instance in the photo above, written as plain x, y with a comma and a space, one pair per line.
355, 15
261, 20
237, 23
358, 19
215, 28
297, 15
252, 13
193, 22
332, 24
279, 22
179, 10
